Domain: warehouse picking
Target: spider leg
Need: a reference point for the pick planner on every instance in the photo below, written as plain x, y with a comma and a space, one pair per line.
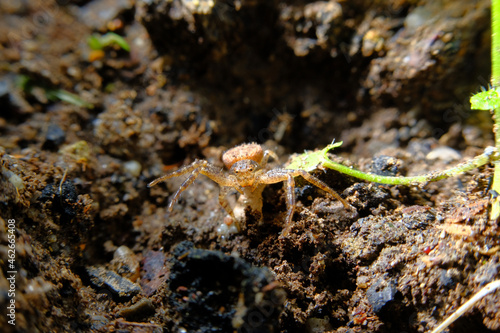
224, 191
290, 202
258, 175
186, 169
281, 175
226, 182
189, 180
218, 176
267, 154
318, 183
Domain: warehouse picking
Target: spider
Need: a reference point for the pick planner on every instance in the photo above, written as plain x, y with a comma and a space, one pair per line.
248, 175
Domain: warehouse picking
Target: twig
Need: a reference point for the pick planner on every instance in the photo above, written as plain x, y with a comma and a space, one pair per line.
489, 288
63, 179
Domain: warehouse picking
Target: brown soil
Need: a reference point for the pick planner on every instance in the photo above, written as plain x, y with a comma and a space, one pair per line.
96, 249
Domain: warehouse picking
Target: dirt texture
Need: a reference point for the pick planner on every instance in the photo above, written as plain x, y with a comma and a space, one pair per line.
84, 129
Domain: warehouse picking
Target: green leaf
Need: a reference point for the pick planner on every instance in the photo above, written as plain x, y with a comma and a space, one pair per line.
94, 42
23, 82
486, 100
310, 159
97, 42
111, 38
68, 97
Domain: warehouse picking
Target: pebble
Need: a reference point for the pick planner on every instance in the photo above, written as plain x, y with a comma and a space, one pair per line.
133, 168
141, 309
314, 325
97, 14
13, 178
224, 231
105, 278
385, 165
417, 17
54, 138
125, 263
378, 295
444, 154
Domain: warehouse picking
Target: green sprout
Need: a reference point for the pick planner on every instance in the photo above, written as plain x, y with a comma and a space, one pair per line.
23, 82
486, 100
99, 42
490, 100
310, 160
26, 84
66, 96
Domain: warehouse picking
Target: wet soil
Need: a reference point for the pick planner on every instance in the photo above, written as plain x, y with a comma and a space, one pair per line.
83, 131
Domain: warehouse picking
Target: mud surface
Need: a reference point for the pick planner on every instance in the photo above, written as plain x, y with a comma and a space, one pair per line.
87, 124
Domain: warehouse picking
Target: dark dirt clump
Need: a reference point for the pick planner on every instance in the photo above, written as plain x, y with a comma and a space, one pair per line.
212, 291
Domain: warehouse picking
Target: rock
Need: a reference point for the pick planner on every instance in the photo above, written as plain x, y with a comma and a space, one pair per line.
380, 294
63, 197
447, 278
141, 309
54, 138
155, 272
385, 166
97, 14
133, 168
446, 154
125, 263
105, 278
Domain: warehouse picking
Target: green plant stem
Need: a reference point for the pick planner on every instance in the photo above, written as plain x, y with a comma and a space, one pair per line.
495, 185
490, 154
495, 43
495, 82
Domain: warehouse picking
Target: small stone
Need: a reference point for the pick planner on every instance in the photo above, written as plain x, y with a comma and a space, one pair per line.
317, 325
133, 168
54, 138
417, 17
137, 310
103, 278
63, 197
385, 166
380, 294
155, 272
98, 322
446, 278
97, 14
444, 154
125, 263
